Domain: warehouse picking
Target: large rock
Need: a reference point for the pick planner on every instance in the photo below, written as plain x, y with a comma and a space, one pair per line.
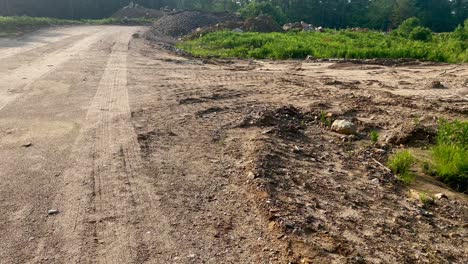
344, 127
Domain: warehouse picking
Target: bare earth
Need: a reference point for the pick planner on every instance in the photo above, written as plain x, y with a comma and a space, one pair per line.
153, 158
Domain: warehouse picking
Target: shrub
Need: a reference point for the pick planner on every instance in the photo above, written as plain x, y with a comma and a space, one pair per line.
255, 9
421, 33
461, 32
408, 26
450, 155
400, 163
374, 135
453, 133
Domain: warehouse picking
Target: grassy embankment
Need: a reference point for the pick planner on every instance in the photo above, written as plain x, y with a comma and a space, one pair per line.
11, 26
444, 47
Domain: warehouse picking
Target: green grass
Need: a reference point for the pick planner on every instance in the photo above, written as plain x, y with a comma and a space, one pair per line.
400, 163
331, 44
450, 155
374, 135
15, 25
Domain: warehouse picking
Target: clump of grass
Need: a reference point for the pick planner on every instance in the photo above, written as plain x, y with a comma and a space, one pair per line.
374, 135
325, 119
450, 155
426, 199
400, 163
453, 133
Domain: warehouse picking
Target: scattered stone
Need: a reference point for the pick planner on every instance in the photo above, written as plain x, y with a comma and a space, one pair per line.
52, 212
375, 181
251, 176
344, 127
27, 145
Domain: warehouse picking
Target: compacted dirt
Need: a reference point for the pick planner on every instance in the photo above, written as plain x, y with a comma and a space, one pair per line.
116, 151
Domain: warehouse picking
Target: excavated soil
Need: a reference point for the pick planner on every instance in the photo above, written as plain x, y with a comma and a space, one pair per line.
255, 174
182, 23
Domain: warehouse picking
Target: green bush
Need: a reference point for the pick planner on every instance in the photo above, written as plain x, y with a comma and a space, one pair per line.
461, 32
255, 9
407, 27
400, 163
421, 33
450, 155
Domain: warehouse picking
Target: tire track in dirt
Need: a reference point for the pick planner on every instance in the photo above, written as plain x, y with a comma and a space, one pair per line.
109, 213
14, 83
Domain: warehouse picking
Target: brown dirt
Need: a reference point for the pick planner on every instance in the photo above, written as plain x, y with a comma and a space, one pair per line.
153, 158
182, 23
262, 23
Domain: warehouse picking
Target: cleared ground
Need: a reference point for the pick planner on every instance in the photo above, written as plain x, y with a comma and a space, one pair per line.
153, 158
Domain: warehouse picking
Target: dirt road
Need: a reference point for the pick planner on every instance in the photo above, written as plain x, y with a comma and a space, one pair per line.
141, 154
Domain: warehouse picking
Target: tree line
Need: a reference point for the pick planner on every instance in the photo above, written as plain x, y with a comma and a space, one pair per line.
439, 15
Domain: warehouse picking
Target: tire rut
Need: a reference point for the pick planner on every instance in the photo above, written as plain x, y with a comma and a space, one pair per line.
109, 213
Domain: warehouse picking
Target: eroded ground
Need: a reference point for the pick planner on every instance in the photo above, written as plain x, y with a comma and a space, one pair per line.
241, 143
148, 157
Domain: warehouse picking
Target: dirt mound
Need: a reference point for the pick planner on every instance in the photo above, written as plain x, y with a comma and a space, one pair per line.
262, 23
435, 85
136, 11
286, 120
180, 24
412, 134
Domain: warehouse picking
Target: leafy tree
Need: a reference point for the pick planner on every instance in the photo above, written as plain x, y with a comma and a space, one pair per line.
408, 26
255, 9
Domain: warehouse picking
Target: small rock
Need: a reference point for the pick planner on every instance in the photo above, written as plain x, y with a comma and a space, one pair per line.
436, 85
251, 176
344, 127
27, 145
52, 211
439, 196
375, 181
380, 151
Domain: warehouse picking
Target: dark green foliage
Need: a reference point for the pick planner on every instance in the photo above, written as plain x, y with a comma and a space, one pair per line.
421, 33
255, 9
331, 44
461, 32
407, 27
